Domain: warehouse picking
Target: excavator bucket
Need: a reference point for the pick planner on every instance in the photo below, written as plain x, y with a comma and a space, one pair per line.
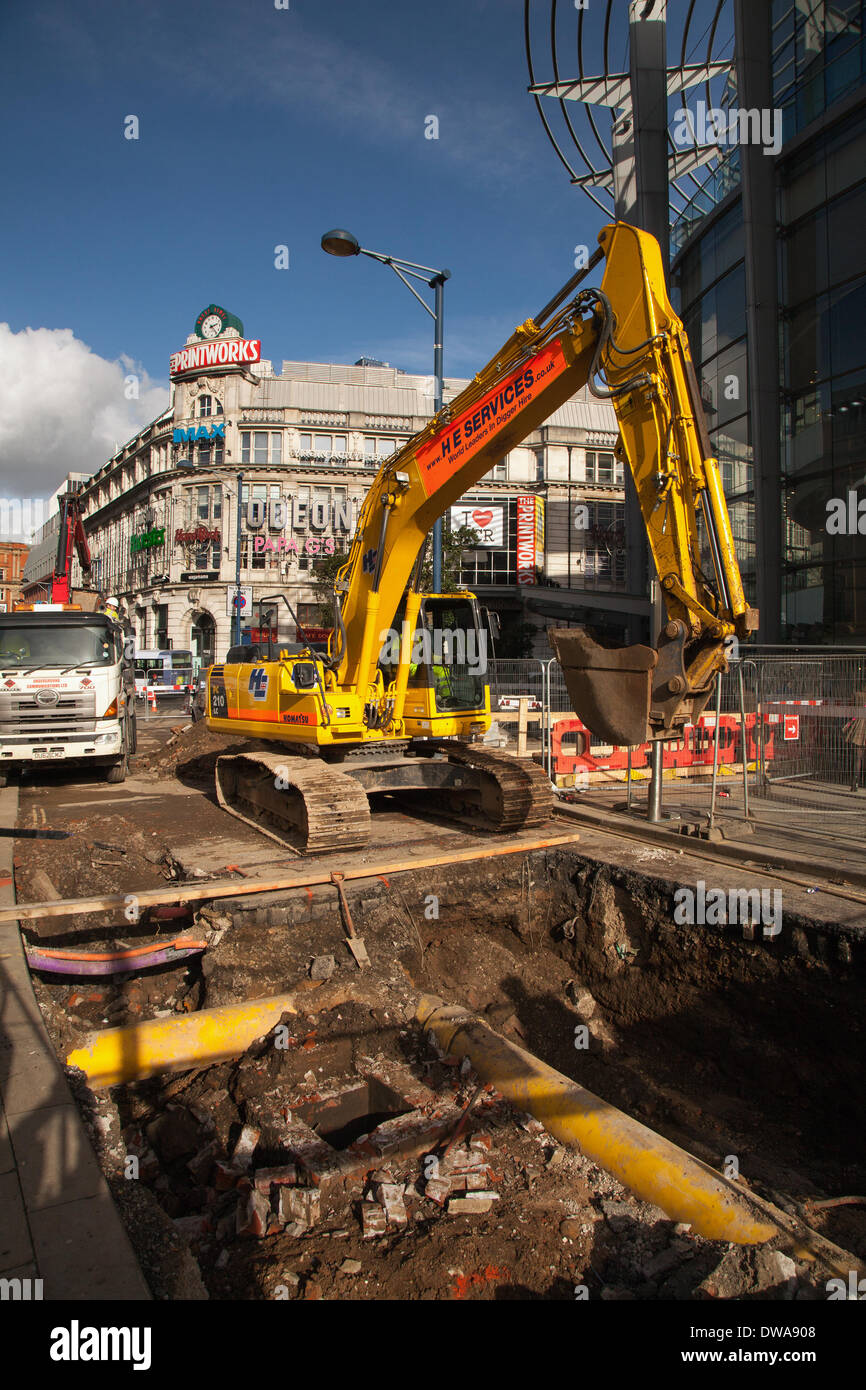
609, 687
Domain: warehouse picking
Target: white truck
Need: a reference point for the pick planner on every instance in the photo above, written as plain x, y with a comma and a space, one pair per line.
66, 690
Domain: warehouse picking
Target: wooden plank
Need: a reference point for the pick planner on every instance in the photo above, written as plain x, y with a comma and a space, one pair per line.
229, 888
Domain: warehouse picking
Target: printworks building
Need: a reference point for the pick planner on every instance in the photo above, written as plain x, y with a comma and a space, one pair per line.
162, 514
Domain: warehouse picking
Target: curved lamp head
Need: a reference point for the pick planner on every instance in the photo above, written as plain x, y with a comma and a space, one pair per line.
340, 243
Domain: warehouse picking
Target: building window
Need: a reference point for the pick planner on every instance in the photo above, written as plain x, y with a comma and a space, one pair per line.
209, 455
254, 447
162, 627
376, 449
600, 467
204, 405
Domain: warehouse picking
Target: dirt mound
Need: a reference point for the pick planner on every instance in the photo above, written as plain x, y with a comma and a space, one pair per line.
191, 754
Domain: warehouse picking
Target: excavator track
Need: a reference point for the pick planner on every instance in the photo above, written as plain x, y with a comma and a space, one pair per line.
515, 793
300, 802
309, 806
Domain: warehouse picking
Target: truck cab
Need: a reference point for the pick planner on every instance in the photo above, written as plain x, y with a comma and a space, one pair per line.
66, 690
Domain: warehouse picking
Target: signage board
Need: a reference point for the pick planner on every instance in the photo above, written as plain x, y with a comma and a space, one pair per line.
148, 540
530, 537
487, 522
246, 600
224, 352
480, 423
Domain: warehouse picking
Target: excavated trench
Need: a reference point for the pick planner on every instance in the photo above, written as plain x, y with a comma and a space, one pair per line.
740, 1047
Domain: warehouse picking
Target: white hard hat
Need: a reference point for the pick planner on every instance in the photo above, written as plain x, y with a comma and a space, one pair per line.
112, 603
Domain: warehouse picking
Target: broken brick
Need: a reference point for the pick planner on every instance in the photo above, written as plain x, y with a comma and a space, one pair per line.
438, 1190
200, 1166
253, 1215
301, 1204
473, 1204
246, 1146
225, 1176
266, 1178
373, 1220
391, 1196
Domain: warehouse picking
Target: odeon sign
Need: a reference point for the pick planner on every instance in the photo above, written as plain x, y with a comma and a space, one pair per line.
224, 353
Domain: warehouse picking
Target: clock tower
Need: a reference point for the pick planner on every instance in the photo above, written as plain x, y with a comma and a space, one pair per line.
213, 321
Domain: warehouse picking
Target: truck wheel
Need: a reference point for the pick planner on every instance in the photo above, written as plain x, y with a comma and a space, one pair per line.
117, 771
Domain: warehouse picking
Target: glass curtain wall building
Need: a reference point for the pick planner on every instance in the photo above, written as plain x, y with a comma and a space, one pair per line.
787, 410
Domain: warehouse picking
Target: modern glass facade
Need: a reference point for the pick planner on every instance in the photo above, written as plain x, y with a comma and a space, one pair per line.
817, 64
710, 287
822, 281
818, 57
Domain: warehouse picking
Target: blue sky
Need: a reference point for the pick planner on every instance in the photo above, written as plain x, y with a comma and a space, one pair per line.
259, 127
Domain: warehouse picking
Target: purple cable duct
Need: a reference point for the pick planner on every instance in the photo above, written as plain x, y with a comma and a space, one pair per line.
165, 955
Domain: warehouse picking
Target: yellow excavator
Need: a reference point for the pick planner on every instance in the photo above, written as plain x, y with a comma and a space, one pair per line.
398, 702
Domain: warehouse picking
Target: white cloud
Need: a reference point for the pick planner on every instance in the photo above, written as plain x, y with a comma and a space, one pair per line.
64, 409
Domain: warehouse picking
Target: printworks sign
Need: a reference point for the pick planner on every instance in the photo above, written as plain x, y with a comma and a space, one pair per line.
223, 353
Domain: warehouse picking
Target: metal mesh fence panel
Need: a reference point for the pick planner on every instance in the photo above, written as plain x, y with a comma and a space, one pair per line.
791, 748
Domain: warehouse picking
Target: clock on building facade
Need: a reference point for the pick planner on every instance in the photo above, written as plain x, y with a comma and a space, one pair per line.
213, 321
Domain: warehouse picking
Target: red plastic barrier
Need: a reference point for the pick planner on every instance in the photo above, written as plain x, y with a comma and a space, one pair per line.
694, 748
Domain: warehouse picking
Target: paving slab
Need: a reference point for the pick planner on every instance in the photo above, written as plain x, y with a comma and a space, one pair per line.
15, 1243
7, 1158
58, 1221
84, 1253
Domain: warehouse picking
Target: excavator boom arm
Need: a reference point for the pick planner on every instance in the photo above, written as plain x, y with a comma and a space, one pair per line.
627, 334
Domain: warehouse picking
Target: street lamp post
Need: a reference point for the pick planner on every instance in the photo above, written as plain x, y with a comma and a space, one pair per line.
237, 622
341, 243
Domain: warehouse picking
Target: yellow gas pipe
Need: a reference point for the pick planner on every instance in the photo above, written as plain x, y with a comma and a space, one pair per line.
652, 1167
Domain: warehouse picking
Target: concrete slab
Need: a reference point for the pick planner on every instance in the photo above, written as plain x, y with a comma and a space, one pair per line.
16, 1247
84, 1253
30, 1076
58, 1221
7, 1157
56, 1162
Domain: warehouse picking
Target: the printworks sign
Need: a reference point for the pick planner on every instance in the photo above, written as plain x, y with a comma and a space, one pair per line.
530, 538
148, 540
224, 352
